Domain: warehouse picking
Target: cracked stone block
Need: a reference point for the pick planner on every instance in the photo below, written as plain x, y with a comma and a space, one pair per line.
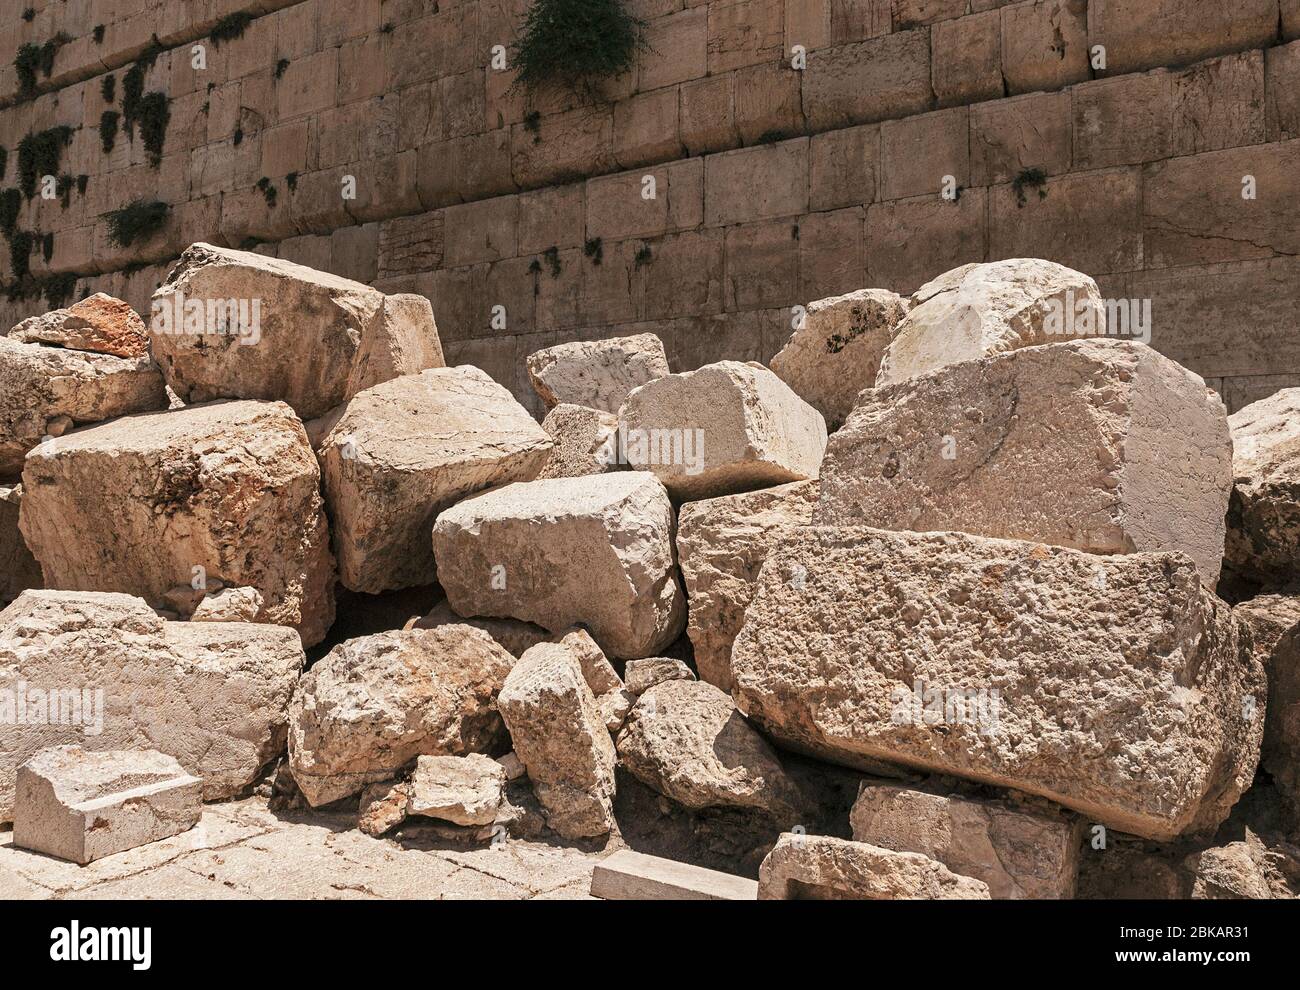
97, 323
823, 868
597, 374
463, 790
1263, 539
585, 442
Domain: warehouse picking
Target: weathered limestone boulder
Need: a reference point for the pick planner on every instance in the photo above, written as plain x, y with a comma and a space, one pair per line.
1263, 541
594, 551
383, 807
1116, 686
560, 736
721, 544
978, 310
822, 868
463, 790
236, 325
1102, 445
835, 353
404, 450
644, 674
98, 323
83, 806
46, 391
375, 703
517, 637
229, 605
1019, 854
612, 699
225, 492
686, 740
18, 568
114, 675
585, 441
597, 374
1235, 871
724, 428
1273, 624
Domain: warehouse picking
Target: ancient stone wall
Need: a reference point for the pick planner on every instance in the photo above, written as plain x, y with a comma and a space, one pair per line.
921, 134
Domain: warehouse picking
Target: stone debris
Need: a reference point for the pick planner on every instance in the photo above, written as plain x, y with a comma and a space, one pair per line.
612, 699
213, 695
594, 551
375, 703
98, 323
229, 605
724, 428
405, 450
232, 324
586, 442
517, 637
1263, 539
1070, 444
225, 492
463, 790
822, 868
18, 568
1018, 853
721, 544
627, 875
978, 310
835, 353
1145, 729
83, 806
597, 374
644, 674
1273, 625
383, 807
561, 738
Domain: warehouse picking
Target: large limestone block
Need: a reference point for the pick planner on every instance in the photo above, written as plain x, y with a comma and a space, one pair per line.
375, 703
97, 323
597, 374
463, 790
835, 352
233, 488
985, 309
46, 391
1273, 622
303, 336
1102, 445
823, 868
724, 428
1263, 541
214, 695
721, 544
1019, 854
404, 450
83, 806
560, 735
1116, 686
18, 568
686, 740
593, 551
585, 442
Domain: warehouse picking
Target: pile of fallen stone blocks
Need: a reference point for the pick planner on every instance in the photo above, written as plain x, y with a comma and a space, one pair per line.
963, 550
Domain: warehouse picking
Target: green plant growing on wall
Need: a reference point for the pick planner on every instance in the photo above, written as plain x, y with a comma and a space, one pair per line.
108, 123
29, 14
137, 221
268, 190
59, 288
533, 125
552, 257
577, 43
133, 84
1029, 178
153, 113
594, 250
290, 180
47, 247
280, 67
11, 204
108, 88
4, 162
65, 184
20, 254
230, 27
83, 181
98, 34
39, 154
644, 256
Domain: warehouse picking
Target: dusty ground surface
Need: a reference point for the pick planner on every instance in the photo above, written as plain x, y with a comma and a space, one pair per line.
243, 850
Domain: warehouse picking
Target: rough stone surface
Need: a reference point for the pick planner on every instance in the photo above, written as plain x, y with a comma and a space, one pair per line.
1019, 854
594, 551
45, 391
721, 544
83, 806
383, 807
1263, 541
686, 740
822, 868
1231, 872
1144, 729
984, 309
836, 351
644, 674
213, 695
517, 637
375, 703
1102, 445
585, 441
137, 504
597, 374
408, 448
724, 428
560, 736
317, 336
98, 323
229, 605
18, 568
1273, 622
463, 790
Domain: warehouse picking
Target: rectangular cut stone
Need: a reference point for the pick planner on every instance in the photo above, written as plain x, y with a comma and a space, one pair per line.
1008, 137
1175, 32
1111, 685
628, 875
966, 53
756, 183
878, 79
1044, 44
